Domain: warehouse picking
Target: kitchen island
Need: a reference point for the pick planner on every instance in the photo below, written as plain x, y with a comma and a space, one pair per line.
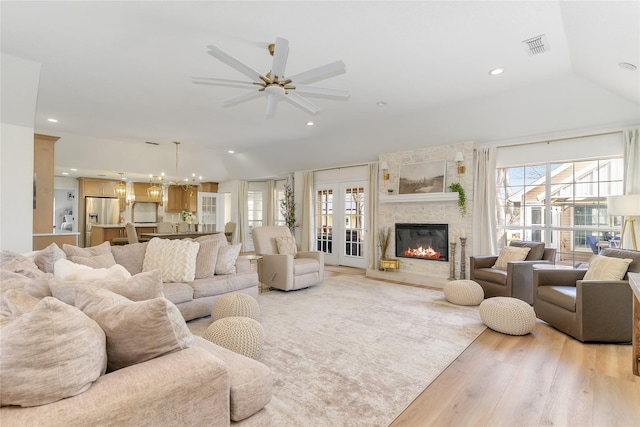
107, 232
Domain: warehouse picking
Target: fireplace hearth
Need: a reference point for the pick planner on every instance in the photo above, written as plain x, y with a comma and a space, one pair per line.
422, 241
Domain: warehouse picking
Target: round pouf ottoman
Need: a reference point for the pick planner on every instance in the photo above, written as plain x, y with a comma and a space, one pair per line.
508, 315
463, 292
232, 305
242, 335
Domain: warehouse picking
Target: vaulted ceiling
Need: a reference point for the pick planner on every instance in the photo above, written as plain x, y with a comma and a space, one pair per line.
118, 74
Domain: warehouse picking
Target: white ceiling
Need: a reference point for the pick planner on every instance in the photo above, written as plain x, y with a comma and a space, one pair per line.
117, 74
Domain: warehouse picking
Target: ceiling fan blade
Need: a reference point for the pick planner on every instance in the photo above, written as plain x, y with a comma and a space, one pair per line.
320, 73
299, 101
221, 82
272, 103
280, 54
242, 98
234, 63
312, 90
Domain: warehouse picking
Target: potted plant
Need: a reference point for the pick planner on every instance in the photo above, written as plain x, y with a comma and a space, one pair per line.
462, 198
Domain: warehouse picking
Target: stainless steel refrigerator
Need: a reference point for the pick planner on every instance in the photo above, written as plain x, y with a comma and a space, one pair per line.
100, 210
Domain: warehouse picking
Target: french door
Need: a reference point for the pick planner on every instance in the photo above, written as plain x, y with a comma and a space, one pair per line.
340, 223
210, 212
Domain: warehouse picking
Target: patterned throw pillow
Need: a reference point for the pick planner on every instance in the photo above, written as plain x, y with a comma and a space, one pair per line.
176, 259
287, 246
227, 256
607, 268
508, 254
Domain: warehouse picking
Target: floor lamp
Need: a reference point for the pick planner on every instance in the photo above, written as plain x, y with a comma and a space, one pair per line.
627, 206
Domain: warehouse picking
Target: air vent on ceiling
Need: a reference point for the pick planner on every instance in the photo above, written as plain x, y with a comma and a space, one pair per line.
536, 45
151, 143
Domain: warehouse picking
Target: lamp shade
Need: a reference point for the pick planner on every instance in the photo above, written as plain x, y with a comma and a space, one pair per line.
627, 205
384, 165
459, 157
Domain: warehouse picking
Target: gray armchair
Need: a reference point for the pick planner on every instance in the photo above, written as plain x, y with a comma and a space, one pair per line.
517, 280
588, 310
285, 272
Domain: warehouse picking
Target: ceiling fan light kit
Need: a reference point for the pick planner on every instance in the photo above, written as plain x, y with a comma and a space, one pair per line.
274, 85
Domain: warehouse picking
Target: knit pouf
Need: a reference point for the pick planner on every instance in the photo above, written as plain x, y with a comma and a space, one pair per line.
508, 315
242, 335
463, 292
232, 305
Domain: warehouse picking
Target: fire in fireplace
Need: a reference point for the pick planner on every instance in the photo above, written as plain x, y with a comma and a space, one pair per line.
423, 241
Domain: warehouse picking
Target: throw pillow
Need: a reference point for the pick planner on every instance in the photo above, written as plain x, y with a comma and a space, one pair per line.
287, 246
142, 286
7, 256
207, 258
26, 267
67, 270
38, 287
510, 253
49, 353
536, 252
16, 302
227, 256
46, 258
130, 256
97, 261
176, 259
607, 268
136, 331
102, 248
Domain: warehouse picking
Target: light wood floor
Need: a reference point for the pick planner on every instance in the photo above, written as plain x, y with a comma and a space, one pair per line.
545, 378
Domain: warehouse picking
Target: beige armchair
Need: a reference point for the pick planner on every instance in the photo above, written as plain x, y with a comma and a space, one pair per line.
588, 310
517, 280
285, 272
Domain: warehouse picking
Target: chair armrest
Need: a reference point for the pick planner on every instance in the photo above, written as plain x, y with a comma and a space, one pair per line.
317, 255
243, 265
482, 261
559, 277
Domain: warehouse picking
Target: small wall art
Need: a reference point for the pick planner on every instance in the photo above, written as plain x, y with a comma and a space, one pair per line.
425, 177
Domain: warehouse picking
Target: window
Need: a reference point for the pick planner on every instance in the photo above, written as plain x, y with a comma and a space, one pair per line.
254, 204
561, 204
279, 197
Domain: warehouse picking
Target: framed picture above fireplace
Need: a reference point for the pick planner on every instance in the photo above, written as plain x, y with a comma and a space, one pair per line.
425, 177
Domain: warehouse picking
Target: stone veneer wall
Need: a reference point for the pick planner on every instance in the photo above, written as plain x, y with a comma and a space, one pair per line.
434, 212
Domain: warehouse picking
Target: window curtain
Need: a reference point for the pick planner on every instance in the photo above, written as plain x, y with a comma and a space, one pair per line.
307, 225
371, 229
271, 202
484, 202
631, 143
243, 214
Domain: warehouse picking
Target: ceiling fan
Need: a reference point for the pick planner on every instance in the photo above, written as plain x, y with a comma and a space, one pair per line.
274, 85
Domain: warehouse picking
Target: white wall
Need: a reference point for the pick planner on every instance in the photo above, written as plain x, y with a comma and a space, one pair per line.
19, 87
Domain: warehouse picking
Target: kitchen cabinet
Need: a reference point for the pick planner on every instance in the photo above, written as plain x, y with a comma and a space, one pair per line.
43, 165
179, 199
140, 192
97, 187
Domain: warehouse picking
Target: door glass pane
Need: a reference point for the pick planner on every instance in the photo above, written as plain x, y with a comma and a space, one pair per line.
354, 221
324, 220
208, 213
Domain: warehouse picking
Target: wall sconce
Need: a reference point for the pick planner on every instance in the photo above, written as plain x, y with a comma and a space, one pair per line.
459, 159
130, 199
385, 170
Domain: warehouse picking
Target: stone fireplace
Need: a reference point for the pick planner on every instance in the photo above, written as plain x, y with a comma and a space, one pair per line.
422, 241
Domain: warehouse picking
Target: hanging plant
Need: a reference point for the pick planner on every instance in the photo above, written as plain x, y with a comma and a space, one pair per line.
288, 208
462, 197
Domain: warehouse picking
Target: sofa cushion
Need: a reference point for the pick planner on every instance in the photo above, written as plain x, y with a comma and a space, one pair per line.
509, 254
251, 382
8, 256
536, 252
227, 256
38, 287
178, 292
176, 259
136, 331
96, 261
130, 256
222, 284
16, 302
287, 246
561, 296
492, 275
207, 257
67, 270
607, 268
49, 353
25, 267
140, 287
102, 248
46, 258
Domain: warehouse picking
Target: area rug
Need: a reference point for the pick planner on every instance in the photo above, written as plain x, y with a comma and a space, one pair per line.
355, 351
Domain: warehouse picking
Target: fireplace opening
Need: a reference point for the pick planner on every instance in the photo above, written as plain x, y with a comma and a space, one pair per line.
423, 241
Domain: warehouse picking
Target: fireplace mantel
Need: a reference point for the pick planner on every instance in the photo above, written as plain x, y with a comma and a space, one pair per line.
426, 197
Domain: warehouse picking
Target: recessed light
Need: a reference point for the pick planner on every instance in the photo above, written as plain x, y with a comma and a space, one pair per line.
230, 151
496, 71
52, 120
310, 123
73, 170
381, 103
627, 66
65, 173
